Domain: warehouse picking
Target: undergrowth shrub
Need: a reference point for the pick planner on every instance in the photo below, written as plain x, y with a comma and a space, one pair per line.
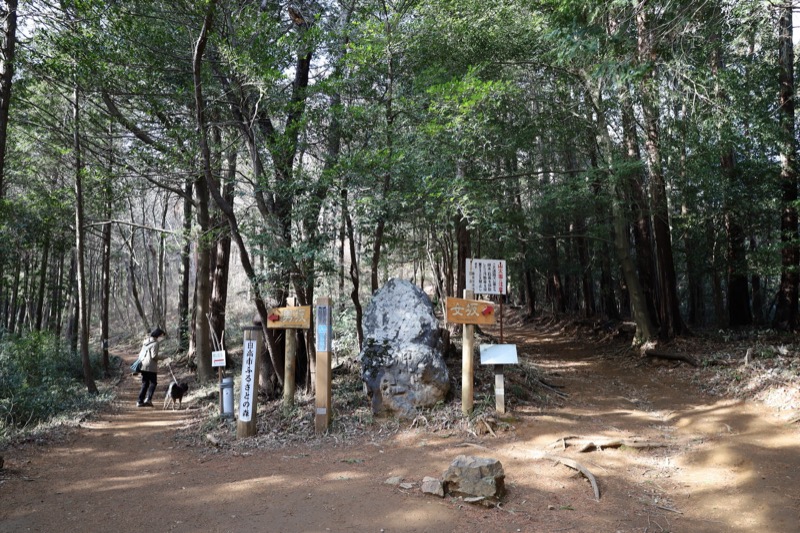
41, 379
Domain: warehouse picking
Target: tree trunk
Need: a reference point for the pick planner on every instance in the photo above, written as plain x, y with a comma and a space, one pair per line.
757, 291
39, 313
219, 292
83, 317
635, 189
738, 294
354, 274
670, 320
608, 301
186, 263
786, 311
11, 308
8, 43
464, 250
645, 330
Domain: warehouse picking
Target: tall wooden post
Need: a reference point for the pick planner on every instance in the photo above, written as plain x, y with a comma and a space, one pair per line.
322, 401
289, 368
289, 386
248, 401
467, 370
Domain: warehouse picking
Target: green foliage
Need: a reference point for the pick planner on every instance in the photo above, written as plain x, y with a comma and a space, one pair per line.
40, 380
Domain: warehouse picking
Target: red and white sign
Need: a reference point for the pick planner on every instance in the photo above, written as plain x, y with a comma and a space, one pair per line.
486, 276
218, 358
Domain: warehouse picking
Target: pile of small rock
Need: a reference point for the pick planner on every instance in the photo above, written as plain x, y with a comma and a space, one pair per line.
474, 479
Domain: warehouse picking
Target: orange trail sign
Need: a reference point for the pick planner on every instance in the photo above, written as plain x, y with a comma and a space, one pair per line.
461, 311
290, 317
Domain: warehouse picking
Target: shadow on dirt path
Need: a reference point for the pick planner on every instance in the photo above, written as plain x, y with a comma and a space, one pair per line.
725, 466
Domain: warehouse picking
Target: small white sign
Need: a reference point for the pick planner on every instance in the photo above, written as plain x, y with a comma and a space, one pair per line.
499, 354
218, 358
486, 276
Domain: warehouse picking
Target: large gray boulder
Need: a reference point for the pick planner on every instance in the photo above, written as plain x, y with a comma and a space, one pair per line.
402, 361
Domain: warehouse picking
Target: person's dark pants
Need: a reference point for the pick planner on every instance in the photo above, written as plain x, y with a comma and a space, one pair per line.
149, 382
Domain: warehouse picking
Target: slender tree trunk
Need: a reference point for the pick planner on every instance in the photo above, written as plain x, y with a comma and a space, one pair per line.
72, 304
219, 292
757, 290
464, 251
738, 294
354, 274
80, 245
530, 295
39, 313
132, 283
608, 301
8, 43
786, 311
11, 308
186, 263
389, 116
645, 330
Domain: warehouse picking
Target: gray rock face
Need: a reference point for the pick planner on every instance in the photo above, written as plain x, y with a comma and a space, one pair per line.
477, 479
402, 362
433, 486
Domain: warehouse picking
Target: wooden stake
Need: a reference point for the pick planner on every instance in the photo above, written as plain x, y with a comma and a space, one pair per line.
322, 400
289, 368
467, 372
248, 405
290, 362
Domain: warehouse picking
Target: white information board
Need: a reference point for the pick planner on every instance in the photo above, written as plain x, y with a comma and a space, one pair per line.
486, 276
499, 354
249, 396
218, 358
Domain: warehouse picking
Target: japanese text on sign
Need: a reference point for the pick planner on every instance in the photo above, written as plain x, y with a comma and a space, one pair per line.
459, 311
486, 276
248, 397
290, 317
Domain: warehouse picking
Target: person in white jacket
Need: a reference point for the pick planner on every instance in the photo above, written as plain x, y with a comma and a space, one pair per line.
149, 357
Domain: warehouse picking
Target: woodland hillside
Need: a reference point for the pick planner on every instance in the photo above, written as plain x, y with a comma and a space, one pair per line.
192, 164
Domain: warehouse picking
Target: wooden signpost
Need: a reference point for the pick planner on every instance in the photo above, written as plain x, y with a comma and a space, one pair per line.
322, 401
470, 313
248, 401
484, 276
287, 318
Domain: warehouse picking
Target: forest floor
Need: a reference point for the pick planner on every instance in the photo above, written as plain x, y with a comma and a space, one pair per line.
711, 462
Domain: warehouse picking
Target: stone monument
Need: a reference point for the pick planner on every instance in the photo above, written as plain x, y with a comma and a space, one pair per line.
402, 361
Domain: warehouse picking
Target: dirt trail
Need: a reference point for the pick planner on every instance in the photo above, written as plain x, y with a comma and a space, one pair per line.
729, 466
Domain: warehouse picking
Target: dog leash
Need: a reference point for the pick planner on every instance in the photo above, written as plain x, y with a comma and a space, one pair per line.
169, 366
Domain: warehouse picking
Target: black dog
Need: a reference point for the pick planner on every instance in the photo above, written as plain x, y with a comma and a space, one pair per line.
175, 393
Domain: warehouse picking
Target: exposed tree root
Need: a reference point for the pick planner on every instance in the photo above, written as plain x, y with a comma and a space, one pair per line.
589, 445
576, 466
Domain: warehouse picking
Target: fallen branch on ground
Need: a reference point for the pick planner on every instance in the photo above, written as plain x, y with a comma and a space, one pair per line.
473, 445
